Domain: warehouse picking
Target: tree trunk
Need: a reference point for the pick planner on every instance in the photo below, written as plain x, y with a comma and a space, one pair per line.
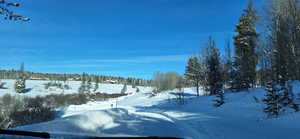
197, 86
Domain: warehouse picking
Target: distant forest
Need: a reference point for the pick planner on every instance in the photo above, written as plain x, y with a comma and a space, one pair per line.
13, 74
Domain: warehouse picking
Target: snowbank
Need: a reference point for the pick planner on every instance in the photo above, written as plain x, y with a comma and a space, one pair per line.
140, 114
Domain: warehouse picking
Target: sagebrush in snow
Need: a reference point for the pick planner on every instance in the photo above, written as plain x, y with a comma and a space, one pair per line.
17, 112
57, 85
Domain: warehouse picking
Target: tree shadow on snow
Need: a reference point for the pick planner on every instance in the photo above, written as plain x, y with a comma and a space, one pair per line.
27, 90
156, 121
141, 125
184, 94
115, 122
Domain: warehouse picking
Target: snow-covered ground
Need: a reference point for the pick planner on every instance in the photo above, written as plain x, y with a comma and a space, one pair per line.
139, 114
36, 88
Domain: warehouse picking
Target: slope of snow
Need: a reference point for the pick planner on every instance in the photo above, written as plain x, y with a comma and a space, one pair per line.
36, 88
139, 114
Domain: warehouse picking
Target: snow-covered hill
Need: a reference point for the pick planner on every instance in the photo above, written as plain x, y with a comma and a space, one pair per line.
141, 114
36, 87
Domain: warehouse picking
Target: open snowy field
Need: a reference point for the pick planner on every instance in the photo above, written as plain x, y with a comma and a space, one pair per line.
141, 114
36, 88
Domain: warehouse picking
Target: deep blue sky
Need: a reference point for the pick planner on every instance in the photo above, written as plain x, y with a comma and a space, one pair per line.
131, 38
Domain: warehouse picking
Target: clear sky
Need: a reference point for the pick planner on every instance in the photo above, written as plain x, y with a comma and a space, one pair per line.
131, 38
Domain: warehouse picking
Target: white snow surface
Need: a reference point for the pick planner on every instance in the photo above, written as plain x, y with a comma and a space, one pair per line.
37, 88
140, 114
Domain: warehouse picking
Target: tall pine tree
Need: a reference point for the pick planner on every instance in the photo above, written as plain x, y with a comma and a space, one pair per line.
228, 70
193, 72
97, 81
284, 38
245, 49
83, 85
89, 84
214, 70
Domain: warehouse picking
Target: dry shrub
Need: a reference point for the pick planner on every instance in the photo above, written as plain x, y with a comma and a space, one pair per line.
165, 81
17, 112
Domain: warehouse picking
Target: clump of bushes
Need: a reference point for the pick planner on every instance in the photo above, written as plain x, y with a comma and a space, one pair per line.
103, 96
57, 85
62, 100
17, 112
23, 111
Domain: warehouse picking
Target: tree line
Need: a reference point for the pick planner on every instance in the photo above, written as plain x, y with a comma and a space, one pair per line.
266, 53
13, 74
89, 82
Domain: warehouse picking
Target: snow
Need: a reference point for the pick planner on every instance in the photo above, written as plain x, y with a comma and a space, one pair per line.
37, 88
141, 114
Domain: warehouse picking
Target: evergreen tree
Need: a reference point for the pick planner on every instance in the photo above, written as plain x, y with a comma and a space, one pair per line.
64, 78
294, 105
219, 101
97, 81
134, 83
214, 70
235, 78
20, 84
245, 47
284, 38
287, 98
193, 72
272, 100
264, 63
83, 86
88, 84
279, 98
228, 70
280, 53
